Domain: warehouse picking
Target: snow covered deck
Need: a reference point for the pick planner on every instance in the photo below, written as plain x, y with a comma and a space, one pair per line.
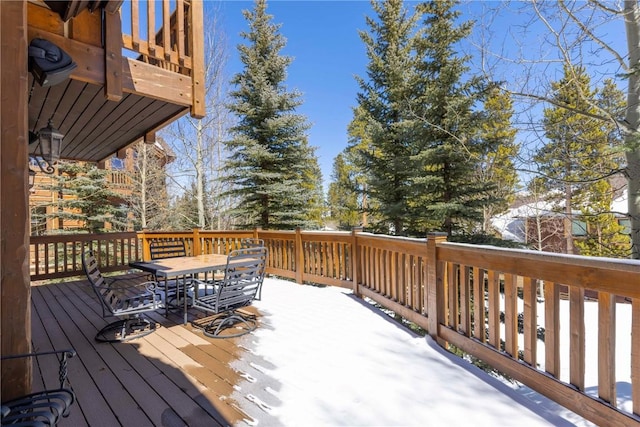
320, 357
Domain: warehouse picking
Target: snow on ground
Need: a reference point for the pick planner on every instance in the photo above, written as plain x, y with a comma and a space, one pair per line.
322, 357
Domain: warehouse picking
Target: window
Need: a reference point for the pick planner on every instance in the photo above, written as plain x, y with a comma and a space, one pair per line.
626, 223
578, 228
117, 164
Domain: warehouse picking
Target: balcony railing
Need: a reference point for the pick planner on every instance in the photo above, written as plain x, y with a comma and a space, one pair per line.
483, 300
159, 33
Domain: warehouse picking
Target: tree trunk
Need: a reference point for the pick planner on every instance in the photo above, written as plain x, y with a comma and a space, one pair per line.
632, 26
143, 187
200, 174
568, 217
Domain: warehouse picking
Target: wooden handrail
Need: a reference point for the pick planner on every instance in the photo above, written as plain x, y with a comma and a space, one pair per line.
478, 298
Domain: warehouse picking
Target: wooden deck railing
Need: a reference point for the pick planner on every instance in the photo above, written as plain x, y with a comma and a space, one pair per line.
58, 256
481, 299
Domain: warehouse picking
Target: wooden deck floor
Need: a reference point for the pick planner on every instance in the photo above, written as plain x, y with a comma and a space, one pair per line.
173, 377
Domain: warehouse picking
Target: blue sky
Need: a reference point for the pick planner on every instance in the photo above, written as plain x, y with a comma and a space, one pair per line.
322, 37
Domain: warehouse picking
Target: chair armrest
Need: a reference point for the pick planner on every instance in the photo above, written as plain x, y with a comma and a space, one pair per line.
61, 355
150, 286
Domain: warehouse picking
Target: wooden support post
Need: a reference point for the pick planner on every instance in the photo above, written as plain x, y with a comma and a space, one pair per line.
434, 294
113, 56
197, 247
146, 250
355, 260
15, 285
299, 256
196, 35
150, 137
635, 355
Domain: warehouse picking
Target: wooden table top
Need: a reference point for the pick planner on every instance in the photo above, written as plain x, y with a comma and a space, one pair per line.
180, 266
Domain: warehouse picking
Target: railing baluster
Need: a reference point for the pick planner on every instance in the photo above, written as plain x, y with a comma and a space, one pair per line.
511, 315
607, 347
478, 304
494, 309
151, 30
180, 42
530, 321
552, 328
465, 303
135, 24
577, 337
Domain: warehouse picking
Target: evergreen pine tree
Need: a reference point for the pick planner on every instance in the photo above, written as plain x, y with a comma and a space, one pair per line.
85, 197
447, 193
342, 196
498, 149
577, 160
384, 108
271, 164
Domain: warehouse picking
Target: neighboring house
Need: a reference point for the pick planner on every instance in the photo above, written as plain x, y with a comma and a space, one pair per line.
42, 200
538, 225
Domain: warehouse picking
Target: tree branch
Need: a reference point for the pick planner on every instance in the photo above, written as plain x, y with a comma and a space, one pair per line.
620, 123
592, 36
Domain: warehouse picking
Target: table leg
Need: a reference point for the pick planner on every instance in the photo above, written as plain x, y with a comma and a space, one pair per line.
166, 297
184, 289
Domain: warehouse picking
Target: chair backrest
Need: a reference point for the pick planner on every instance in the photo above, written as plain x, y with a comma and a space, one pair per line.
250, 242
167, 248
98, 283
122, 295
243, 278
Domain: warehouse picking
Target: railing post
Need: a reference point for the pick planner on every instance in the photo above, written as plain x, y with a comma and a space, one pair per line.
146, 251
299, 256
197, 249
355, 259
434, 294
256, 232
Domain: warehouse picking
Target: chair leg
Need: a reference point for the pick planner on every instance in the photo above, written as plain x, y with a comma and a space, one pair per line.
125, 330
243, 325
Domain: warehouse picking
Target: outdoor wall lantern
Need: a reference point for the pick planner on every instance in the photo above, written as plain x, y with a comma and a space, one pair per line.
47, 150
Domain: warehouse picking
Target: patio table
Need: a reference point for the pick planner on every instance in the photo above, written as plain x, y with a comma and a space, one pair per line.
180, 267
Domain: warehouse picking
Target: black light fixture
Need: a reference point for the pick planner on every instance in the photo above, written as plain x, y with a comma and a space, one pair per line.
47, 150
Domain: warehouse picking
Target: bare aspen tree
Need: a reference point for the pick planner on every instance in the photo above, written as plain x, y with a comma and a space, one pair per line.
198, 142
148, 200
542, 37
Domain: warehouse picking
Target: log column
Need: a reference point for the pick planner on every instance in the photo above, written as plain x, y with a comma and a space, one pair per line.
15, 291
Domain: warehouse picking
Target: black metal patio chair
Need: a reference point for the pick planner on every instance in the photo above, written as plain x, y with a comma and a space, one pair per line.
243, 277
42, 408
173, 288
126, 299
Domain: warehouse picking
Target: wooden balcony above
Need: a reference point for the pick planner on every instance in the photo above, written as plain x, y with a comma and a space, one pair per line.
127, 84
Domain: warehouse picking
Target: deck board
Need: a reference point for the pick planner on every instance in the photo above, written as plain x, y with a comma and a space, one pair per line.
174, 376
